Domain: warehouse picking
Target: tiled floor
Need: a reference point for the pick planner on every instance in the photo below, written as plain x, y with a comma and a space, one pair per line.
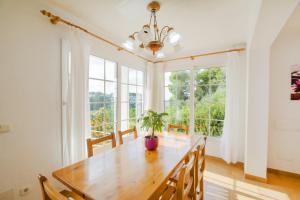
226, 182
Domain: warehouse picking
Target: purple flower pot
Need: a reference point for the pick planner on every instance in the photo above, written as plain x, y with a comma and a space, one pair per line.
151, 143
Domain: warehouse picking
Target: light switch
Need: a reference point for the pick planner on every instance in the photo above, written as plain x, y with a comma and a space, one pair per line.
4, 128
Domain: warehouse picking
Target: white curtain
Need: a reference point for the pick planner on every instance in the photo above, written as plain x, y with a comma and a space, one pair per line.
233, 130
149, 86
75, 110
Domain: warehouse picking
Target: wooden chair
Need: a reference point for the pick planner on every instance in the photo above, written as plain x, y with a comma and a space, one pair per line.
200, 167
90, 142
132, 130
50, 193
179, 127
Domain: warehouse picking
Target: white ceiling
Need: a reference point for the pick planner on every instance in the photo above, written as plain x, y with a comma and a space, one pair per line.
204, 25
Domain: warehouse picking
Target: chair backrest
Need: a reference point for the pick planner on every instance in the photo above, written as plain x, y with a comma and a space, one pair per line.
49, 192
178, 127
199, 168
186, 182
90, 142
132, 130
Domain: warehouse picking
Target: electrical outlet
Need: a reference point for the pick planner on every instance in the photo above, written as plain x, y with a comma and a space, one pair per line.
4, 128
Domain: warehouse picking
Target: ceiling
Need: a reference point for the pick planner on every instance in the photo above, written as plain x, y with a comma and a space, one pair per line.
204, 25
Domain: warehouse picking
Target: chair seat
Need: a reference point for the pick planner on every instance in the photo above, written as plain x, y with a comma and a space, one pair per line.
71, 195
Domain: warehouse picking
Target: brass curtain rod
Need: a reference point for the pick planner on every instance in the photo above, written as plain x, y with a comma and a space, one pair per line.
54, 19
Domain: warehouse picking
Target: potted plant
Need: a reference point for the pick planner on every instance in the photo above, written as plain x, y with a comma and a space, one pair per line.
152, 121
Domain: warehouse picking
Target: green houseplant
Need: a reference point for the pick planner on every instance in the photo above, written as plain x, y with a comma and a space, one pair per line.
153, 121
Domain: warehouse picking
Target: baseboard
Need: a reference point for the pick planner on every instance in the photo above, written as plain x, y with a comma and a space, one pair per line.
256, 178
285, 173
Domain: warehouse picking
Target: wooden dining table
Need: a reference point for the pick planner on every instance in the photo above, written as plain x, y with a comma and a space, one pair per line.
129, 171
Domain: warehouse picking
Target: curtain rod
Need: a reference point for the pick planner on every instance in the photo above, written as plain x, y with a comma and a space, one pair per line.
54, 19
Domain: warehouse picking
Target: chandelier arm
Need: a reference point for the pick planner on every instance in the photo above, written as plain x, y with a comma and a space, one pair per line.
161, 32
150, 19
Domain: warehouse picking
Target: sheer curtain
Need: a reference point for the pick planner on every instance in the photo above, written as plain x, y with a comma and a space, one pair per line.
75, 110
233, 130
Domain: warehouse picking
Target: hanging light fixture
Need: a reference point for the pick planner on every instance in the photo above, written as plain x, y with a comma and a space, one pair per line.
150, 37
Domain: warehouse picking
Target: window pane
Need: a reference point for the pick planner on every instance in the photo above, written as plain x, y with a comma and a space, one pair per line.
217, 75
140, 78
201, 92
201, 126
139, 110
217, 109
95, 106
132, 110
170, 108
132, 123
202, 109
168, 94
96, 90
216, 127
110, 90
110, 70
109, 112
96, 67
183, 112
139, 93
110, 128
132, 76
97, 118
124, 92
202, 77
167, 78
183, 77
124, 73
132, 93
124, 111
183, 92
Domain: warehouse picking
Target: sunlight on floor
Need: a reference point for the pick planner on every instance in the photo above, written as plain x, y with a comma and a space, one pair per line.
222, 187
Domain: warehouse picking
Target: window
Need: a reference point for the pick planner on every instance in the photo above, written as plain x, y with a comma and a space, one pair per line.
209, 97
102, 95
132, 96
177, 95
208, 92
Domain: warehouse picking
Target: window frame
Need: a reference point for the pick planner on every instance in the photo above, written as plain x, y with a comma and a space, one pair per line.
193, 71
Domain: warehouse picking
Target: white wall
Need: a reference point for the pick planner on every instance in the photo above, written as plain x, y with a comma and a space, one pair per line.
284, 126
30, 98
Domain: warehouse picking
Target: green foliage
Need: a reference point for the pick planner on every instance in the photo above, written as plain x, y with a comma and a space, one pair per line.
153, 120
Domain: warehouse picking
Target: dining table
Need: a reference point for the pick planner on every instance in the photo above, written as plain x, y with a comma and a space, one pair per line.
129, 171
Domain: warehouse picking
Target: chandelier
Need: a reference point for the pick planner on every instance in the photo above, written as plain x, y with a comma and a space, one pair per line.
151, 37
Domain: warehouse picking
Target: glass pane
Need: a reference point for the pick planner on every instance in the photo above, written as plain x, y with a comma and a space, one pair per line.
201, 126
167, 78
132, 76
132, 123
139, 110
109, 112
111, 91
95, 106
201, 93
140, 78
96, 67
132, 110
98, 132
217, 109
217, 75
170, 108
182, 112
139, 93
216, 127
124, 74
97, 118
110, 127
168, 94
110, 70
96, 90
132, 93
183, 92
124, 125
124, 111
183, 77
202, 109
124, 92
202, 77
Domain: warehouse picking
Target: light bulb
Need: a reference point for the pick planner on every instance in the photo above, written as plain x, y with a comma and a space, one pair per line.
160, 54
129, 44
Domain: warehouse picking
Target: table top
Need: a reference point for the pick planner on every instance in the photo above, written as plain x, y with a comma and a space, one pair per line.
128, 171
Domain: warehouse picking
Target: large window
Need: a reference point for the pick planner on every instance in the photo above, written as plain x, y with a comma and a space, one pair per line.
132, 96
177, 95
206, 108
102, 95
